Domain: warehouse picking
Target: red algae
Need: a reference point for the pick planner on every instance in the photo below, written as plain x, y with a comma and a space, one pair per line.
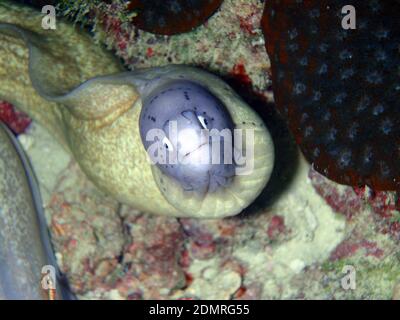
349, 248
276, 227
17, 121
340, 198
239, 73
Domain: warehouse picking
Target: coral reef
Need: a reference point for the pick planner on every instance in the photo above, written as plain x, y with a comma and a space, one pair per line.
230, 43
110, 251
292, 243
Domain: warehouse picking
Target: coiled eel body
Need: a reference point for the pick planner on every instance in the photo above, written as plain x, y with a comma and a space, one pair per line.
25, 247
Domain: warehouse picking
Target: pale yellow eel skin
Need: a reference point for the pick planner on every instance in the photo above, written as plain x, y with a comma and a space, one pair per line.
53, 75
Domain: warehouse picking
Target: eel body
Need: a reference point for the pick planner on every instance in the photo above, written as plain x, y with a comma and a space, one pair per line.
26, 253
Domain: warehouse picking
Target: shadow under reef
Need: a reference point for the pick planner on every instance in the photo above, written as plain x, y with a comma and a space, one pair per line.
286, 152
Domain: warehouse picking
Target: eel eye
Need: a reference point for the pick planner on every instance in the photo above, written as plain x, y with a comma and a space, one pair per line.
167, 144
203, 122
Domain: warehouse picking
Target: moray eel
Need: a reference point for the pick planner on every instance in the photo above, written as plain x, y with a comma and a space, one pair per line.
80, 93
25, 247
339, 88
